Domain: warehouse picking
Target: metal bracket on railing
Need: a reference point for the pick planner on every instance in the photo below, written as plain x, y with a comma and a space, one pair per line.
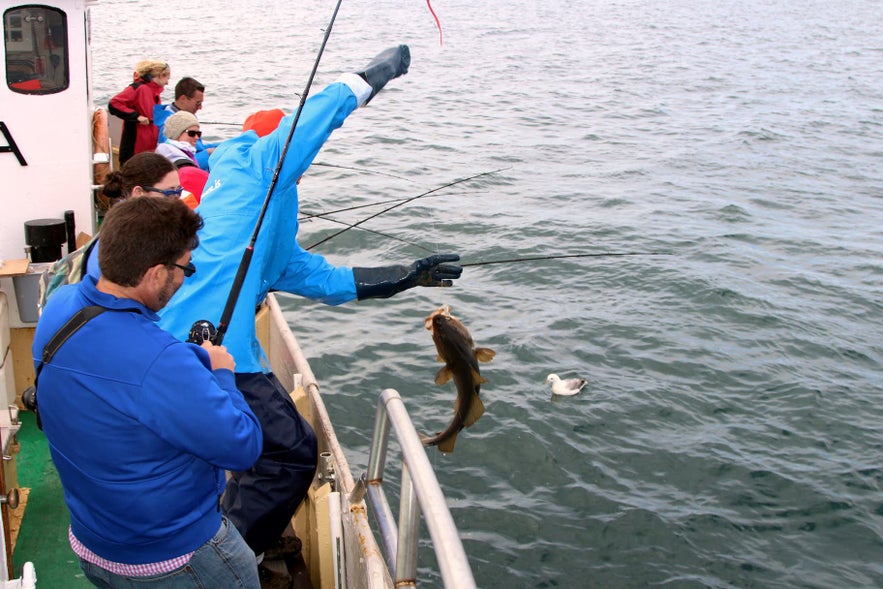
326, 470
360, 489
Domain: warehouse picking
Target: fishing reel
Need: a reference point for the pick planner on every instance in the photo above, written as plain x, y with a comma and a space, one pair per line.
202, 331
29, 400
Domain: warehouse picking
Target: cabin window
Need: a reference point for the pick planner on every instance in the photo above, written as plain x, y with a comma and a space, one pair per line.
36, 51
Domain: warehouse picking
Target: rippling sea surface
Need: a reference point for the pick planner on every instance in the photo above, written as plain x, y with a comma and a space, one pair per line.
730, 434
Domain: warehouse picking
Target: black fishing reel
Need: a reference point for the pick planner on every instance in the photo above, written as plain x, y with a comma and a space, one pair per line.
29, 400
202, 331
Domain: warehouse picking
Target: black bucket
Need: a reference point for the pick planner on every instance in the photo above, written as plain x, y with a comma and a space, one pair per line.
45, 236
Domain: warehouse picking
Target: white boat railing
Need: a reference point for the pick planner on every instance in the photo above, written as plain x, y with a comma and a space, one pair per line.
419, 491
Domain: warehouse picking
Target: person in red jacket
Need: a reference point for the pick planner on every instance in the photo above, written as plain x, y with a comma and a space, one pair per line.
135, 106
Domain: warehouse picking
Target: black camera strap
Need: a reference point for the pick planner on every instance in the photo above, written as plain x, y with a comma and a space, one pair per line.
73, 325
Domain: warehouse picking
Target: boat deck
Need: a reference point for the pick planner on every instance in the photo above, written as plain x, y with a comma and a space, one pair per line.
43, 536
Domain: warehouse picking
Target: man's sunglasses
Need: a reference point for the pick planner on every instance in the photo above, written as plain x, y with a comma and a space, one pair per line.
193, 133
189, 270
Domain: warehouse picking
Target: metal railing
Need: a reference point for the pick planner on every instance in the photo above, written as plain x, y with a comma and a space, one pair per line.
420, 491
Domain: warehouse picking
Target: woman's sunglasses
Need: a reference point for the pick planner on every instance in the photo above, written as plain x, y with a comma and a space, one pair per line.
166, 193
193, 133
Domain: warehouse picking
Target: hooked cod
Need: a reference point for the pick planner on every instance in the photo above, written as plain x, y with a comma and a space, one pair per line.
457, 350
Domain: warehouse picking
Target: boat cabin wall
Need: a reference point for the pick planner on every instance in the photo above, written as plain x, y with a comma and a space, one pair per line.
46, 115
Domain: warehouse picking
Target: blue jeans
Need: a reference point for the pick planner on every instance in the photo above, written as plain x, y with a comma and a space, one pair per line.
224, 562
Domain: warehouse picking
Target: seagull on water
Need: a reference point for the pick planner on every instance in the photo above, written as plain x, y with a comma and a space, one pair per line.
566, 387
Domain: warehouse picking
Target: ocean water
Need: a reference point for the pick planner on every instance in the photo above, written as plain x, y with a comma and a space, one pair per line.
730, 435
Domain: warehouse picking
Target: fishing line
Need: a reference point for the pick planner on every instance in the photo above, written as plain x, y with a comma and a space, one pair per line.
560, 256
239, 280
406, 201
364, 170
219, 123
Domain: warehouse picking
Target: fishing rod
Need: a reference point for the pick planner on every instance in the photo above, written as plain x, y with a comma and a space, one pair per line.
560, 256
200, 329
324, 216
307, 216
404, 202
380, 233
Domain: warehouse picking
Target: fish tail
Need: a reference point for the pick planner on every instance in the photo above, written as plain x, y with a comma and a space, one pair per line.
448, 445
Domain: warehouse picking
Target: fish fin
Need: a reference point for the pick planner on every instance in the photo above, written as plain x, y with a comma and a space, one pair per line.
475, 411
478, 378
448, 445
484, 354
443, 375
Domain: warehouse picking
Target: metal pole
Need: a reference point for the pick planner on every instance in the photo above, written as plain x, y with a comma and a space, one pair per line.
376, 496
409, 530
452, 559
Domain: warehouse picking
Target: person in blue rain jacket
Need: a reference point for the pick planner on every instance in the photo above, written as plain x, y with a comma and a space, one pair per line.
261, 500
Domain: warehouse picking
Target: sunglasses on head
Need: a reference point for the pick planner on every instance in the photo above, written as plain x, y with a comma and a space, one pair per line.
193, 133
166, 193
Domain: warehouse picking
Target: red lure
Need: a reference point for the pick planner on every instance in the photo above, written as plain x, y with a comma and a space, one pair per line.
437, 22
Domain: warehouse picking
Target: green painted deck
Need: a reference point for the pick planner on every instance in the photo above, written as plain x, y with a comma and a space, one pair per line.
43, 536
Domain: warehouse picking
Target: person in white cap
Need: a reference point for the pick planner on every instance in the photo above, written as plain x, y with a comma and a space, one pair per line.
182, 132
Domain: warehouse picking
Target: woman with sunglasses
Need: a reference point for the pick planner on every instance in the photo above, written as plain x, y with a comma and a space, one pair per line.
182, 132
144, 174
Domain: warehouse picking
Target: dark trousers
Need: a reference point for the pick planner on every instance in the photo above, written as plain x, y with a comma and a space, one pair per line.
261, 501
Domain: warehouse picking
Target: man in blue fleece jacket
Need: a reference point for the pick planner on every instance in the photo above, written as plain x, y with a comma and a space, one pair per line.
141, 426
261, 500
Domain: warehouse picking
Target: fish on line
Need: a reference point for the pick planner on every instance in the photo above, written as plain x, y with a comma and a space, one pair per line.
457, 350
